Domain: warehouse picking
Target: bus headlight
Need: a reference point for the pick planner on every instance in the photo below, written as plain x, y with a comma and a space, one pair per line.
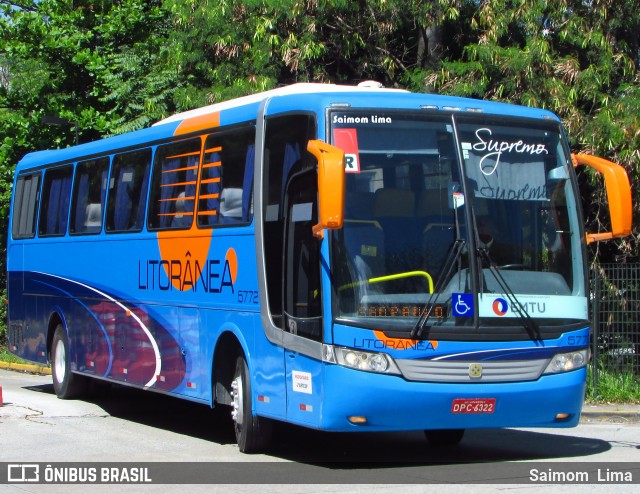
357, 359
564, 362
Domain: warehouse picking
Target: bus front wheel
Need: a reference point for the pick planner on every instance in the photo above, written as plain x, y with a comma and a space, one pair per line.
66, 384
252, 432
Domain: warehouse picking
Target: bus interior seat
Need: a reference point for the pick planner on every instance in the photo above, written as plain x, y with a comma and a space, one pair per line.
93, 217
291, 156
124, 193
231, 205
59, 198
394, 209
210, 185
179, 220
142, 199
247, 184
358, 205
363, 236
393, 203
438, 232
189, 199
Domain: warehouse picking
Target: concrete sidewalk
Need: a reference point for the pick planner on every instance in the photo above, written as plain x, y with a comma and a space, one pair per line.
610, 412
598, 412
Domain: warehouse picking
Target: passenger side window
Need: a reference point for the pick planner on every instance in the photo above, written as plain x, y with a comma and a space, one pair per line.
226, 179
25, 206
89, 194
173, 189
54, 208
128, 191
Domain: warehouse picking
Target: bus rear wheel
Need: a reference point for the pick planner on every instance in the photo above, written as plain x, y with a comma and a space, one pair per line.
444, 437
252, 432
66, 384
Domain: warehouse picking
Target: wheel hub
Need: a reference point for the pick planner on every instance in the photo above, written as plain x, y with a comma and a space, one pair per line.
236, 404
59, 362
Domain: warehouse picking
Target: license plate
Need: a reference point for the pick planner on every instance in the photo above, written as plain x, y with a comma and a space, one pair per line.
473, 405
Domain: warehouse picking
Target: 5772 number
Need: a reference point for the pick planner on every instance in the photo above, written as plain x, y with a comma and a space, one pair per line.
247, 296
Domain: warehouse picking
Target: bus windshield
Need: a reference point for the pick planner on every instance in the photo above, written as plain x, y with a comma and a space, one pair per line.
469, 220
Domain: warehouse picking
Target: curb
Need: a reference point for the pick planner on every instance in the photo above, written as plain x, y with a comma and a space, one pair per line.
611, 415
30, 368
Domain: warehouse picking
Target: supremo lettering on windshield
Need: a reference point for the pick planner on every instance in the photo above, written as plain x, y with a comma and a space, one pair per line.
496, 148
212, 277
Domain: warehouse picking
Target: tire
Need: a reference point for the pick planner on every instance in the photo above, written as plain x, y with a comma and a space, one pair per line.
66, 384
444, 437
253, 433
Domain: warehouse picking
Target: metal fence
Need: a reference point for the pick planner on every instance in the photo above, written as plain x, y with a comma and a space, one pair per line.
615, 319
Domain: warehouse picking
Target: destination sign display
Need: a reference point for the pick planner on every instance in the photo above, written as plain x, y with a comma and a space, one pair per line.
438, 311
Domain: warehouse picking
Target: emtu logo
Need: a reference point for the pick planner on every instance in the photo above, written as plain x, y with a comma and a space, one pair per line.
500, 307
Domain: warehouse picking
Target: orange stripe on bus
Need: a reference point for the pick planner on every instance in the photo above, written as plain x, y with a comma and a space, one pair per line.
184, 169
197, 124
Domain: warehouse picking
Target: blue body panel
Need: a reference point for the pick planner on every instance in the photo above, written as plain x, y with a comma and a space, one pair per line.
391, 403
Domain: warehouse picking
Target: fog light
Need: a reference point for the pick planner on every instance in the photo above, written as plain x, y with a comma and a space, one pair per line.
358, 420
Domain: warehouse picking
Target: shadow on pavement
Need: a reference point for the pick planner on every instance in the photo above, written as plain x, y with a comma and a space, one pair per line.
341, 450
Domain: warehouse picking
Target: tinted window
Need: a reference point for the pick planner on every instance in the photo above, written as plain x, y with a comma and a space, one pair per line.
175, 176
25, 205
89, 191
54, 209
128, 191
226, 178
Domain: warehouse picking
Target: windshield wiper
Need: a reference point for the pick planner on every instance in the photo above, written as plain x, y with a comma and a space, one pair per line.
452, 257
527, 321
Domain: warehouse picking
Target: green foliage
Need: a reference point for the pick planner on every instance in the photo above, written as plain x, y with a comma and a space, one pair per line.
578, 59
249, 46
612, 386
63, 58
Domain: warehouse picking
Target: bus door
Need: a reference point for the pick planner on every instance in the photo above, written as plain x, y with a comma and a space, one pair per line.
301, 297
291, 263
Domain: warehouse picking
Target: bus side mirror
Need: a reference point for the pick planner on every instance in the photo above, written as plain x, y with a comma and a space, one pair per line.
331, 186
618, 195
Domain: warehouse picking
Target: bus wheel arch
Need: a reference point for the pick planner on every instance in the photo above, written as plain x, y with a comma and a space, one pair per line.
227, 350
233, 387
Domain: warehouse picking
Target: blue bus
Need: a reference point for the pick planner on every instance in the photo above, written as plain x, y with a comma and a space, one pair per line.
341, 258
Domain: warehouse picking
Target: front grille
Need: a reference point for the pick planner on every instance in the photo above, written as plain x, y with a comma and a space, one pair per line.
459, 372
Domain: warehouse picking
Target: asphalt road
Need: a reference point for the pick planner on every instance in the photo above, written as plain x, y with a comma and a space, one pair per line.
126, 425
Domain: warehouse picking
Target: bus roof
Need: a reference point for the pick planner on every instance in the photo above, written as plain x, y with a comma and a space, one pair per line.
294, 89
245, 108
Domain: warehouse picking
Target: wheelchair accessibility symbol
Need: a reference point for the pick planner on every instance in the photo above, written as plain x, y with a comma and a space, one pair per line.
462, 305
